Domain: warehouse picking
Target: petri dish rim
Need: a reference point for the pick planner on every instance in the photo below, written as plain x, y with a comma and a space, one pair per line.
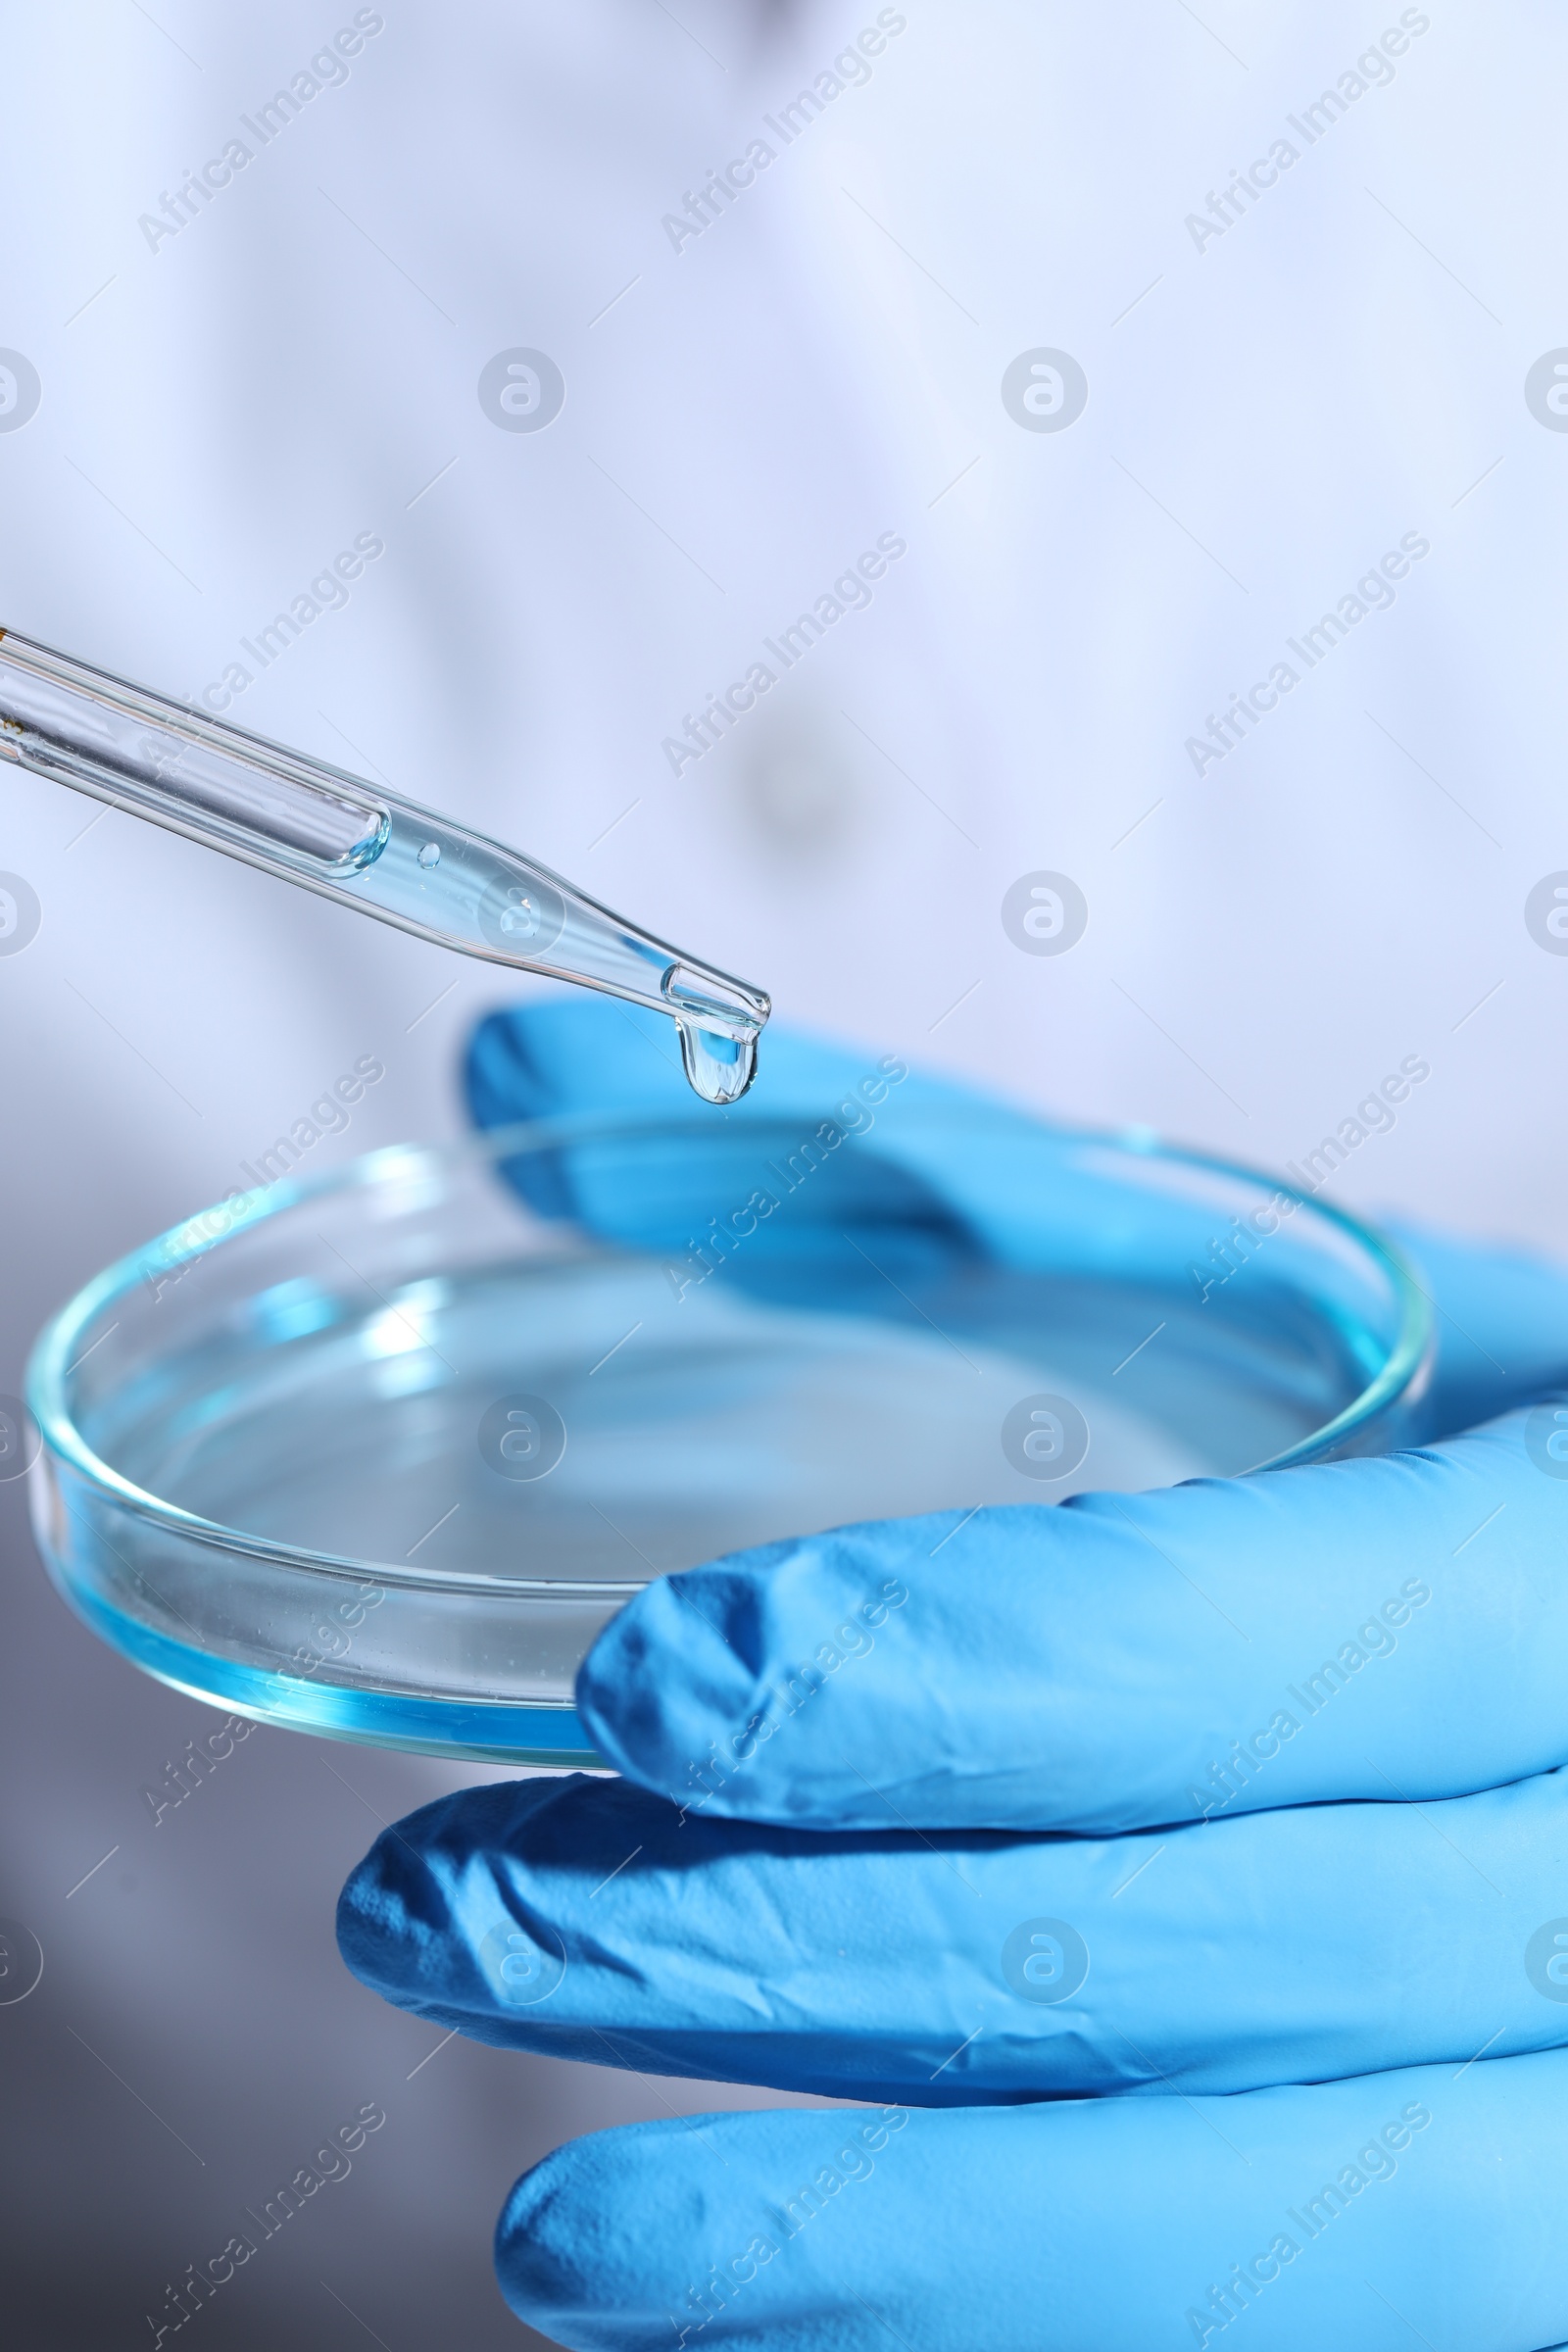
57, 1348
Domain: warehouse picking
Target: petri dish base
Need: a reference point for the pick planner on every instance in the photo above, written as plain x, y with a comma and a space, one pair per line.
376, 1456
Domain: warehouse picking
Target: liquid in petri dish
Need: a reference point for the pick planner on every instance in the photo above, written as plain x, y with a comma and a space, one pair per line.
336, 1383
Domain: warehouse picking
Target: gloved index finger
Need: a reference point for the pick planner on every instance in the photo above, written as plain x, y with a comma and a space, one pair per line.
1384, 1629
903, 1196
590, 1919
639, 1165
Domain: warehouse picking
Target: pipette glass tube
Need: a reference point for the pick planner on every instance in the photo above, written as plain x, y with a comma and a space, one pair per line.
330, 832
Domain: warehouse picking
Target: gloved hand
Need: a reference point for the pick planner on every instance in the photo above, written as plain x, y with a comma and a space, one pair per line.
1239, 1802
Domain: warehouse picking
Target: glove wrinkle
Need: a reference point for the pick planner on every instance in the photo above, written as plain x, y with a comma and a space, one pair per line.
1118, 2225
789, 1885
958, 1968
1343, 1631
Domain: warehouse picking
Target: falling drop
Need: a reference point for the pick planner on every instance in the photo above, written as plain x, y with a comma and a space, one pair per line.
430, 855
720, 1067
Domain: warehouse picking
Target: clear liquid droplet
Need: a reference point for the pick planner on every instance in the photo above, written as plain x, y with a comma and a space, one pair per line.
718, 1067
430, 855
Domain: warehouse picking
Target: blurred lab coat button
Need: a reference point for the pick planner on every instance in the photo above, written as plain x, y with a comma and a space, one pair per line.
798, 788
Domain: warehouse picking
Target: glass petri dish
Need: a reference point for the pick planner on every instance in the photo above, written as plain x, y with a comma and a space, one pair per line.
376, 1456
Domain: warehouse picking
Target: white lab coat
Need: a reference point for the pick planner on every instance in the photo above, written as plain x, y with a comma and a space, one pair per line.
1288, 381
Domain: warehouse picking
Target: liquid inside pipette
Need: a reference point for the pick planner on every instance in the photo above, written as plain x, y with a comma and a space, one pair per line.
334, 834
430, 874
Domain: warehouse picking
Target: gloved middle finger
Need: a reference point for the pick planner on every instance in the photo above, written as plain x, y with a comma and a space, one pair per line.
594, 1921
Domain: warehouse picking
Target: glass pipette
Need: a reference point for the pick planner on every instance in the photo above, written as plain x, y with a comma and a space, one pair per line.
332, 833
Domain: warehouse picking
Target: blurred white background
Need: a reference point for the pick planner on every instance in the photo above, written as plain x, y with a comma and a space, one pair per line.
223, 408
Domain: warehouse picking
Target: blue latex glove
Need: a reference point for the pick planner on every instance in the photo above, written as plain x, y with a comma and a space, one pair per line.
1001, 1862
